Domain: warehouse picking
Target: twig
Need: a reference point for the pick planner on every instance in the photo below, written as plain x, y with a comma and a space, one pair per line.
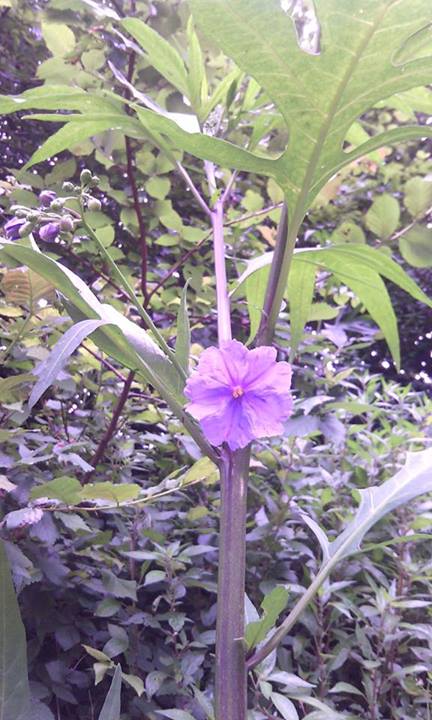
192, 187
178, 264
109, 432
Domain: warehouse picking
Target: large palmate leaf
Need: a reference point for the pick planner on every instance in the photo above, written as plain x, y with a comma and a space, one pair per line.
320, 96
14, 687
367, 53
412, 480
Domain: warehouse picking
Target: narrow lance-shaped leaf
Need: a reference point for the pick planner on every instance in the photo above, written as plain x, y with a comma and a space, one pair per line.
112, 706
48, 370
412, 480
74, 132
182, 348
159, 52
14, 687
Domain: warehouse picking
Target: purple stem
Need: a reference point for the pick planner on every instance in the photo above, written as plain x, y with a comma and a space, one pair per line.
222, 298
231, 674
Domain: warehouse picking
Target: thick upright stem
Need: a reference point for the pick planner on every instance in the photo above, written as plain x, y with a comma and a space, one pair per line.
231, 686
223, 303
271, 300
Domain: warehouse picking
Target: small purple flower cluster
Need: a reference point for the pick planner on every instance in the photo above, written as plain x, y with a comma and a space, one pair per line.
47, 222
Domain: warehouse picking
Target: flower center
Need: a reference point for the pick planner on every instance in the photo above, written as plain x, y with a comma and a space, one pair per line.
237, 391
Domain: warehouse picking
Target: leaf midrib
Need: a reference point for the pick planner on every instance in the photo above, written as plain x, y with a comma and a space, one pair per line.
324, 131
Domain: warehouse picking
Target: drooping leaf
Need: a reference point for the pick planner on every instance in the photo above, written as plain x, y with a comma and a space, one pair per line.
203, 146
83, 304
412, 480
78, 129
53, 97
14, 686
111, 708
159, 52
48, 370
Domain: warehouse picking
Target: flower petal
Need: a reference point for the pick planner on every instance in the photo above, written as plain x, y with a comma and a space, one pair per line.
266, 412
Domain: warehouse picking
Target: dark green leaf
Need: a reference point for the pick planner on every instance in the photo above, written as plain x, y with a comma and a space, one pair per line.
14, 687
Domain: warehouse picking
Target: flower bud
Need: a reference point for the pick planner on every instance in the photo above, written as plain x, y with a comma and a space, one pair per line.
95, 181
49, 231
85, 177
93, 204
46, 197
13, 227
67, 224
57, 204
68, 186
26, 229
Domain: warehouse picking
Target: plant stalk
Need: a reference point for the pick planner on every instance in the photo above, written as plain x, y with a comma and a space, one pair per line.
223, 303
231, 674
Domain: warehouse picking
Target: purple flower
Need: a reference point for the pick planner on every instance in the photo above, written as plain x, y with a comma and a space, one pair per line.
49, 231
239, 395
13, 227
46, 197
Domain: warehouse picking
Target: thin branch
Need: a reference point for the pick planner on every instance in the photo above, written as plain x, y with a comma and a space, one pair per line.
110, 431
192, 187
177, 265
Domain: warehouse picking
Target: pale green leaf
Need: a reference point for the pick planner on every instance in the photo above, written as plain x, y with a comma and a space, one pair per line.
183, 340
203, 146
412, 480
196, 79
159, 52
300, 291
14, 686
255, 288
112, 492
382, 218
81, 128
66, 489
284, 706
48, 370
418, 196
272, 606
59, 38
416, 246
320, 97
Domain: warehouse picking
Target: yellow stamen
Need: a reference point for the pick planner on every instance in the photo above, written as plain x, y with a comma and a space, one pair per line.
237, 392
